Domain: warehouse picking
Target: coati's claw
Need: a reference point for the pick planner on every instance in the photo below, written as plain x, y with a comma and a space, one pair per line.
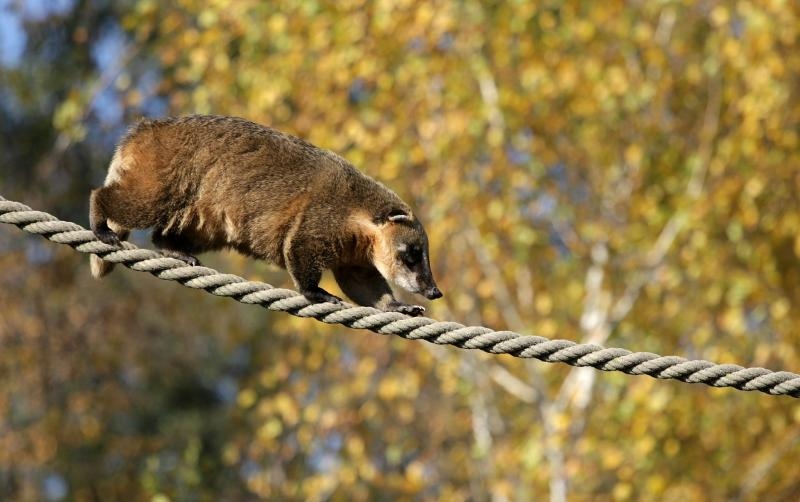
319, 295
412, 310
186, 258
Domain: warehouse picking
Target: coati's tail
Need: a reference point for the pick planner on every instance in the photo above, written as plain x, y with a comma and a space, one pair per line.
99, 267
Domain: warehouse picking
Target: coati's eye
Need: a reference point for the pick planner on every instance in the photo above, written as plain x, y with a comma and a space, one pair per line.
412, 256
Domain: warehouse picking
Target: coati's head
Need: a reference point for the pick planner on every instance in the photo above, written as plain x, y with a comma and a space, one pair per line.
400, 253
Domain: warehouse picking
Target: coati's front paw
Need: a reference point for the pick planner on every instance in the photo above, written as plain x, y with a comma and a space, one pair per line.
319, 295
404, 308
178, 255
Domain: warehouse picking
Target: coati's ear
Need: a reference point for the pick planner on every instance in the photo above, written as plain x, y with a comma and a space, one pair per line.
398, 215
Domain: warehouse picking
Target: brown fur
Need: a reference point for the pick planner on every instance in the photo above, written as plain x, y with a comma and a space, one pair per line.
208, 182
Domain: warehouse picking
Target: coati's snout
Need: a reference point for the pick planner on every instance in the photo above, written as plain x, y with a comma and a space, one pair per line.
433, 293
405, 258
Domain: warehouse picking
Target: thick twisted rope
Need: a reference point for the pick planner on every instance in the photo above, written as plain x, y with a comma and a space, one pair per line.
394, 323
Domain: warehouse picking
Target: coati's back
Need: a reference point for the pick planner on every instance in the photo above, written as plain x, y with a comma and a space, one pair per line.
198, 158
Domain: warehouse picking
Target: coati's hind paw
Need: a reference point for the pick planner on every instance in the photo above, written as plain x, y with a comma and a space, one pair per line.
107, 236
319, 295
404, 308
178, 255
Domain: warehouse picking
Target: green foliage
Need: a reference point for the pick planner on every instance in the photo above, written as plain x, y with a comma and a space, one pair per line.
617, 173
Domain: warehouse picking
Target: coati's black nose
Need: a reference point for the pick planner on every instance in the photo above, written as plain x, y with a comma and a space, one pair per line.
433, 293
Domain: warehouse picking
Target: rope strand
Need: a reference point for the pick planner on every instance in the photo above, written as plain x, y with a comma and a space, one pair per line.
395, 323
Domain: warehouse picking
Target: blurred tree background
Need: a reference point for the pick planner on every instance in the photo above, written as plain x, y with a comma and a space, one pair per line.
621, 173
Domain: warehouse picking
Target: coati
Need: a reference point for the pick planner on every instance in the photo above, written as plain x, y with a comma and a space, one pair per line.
210, 182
